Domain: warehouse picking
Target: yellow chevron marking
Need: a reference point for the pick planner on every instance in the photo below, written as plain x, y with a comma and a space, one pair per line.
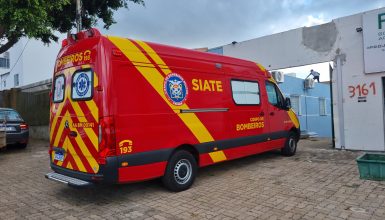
89, 131
60, 130
69, 166
155, 78
218, 156
77, 159
59, 109
93, 109
84, 149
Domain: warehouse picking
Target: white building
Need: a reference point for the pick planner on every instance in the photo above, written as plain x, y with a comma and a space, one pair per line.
28, 61
356, 46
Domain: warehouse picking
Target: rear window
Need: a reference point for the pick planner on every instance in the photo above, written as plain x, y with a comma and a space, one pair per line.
9, 115
82, 82
58, 90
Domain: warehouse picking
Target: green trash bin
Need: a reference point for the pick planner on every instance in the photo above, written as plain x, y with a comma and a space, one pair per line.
371, 166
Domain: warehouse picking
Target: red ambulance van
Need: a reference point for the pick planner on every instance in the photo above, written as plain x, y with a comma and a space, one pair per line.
125, 110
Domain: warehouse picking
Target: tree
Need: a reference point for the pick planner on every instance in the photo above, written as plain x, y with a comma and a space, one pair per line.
39, 19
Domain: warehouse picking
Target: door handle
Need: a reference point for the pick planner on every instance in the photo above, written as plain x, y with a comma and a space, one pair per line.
271, 113
261, 114
73, 134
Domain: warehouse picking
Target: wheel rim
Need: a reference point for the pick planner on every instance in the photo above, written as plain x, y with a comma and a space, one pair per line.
292, 144
182, 171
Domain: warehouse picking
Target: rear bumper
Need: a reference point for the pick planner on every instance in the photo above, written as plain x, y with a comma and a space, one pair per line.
107, 173
17, 138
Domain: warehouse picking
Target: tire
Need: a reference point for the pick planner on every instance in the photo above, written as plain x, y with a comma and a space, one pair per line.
290, 145
180, 171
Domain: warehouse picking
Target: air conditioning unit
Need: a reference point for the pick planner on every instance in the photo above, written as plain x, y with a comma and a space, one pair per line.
309, 83
278, 76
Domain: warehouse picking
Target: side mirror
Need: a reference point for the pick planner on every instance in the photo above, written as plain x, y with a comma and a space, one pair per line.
287, 104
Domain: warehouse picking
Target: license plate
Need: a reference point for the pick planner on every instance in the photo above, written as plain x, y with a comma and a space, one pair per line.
59, 156
7, 129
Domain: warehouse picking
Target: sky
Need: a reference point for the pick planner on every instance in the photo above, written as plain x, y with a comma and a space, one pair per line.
213, 23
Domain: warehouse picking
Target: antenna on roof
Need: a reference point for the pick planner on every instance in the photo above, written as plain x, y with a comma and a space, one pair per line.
78, 15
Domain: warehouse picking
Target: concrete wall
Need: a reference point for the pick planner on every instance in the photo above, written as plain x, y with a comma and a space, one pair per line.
357, 125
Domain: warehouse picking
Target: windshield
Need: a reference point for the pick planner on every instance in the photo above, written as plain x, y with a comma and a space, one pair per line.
9, 115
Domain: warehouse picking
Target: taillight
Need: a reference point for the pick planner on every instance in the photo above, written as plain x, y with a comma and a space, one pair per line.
107, 141
23, 126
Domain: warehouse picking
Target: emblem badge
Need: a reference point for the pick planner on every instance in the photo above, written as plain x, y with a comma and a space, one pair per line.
66, 124
175, 89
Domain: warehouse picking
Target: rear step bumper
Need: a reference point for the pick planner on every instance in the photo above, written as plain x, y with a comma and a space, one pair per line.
70, 181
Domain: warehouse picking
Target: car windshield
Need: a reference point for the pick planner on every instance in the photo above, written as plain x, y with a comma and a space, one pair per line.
9, 115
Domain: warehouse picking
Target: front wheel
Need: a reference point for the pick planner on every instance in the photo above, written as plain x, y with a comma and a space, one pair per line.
180, 171
290, 145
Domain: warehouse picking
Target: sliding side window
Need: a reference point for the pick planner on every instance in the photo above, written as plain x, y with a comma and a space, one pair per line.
245, 92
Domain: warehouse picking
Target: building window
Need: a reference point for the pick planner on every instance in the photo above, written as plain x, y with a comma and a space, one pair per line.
4, 83
322, 106
4, 61
16, 79
296, 104
245, 92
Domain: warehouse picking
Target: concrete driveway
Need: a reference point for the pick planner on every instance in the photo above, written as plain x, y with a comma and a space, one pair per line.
317, 183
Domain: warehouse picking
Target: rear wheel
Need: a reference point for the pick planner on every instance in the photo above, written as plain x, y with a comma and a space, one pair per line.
180, 171
290, 145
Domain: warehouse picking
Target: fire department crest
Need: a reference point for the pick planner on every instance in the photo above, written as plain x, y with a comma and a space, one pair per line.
175, 88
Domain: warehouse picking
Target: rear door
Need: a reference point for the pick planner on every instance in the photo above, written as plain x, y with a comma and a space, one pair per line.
74, 120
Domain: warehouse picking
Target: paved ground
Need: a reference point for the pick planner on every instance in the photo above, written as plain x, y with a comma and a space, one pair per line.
317, 183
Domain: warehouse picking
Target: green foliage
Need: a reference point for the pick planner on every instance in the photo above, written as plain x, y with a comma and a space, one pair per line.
40, 18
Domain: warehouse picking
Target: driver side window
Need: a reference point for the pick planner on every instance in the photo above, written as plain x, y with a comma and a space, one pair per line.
274, 95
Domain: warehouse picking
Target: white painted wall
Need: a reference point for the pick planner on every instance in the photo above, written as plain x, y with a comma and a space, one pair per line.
32, 60
358, 125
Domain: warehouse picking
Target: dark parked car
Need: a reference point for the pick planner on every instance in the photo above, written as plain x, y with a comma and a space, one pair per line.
16, 129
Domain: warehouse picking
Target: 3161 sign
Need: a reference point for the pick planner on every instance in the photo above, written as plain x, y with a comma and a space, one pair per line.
362, 90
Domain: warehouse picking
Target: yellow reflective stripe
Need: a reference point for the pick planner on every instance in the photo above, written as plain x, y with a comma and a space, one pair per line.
59, 131
77, 159
89, 131
96, 80
93, 109
261, 67
84, 149
154, 56
155, 78
69, 166
218, 156
293, 118
67, 94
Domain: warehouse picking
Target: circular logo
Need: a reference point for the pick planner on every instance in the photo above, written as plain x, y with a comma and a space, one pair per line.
82, 84
175, 88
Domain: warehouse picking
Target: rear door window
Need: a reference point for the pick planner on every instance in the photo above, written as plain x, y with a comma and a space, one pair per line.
59, 86
82, 82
